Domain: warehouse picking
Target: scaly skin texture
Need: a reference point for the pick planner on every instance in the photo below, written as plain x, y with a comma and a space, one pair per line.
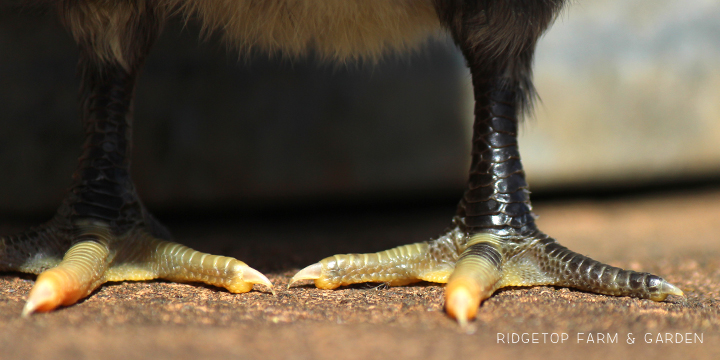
495, 242
74, 263
477, 265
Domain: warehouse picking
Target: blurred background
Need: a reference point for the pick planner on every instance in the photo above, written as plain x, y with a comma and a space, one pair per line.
630, 95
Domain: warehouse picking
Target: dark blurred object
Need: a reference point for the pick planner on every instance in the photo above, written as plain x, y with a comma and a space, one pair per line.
216, 129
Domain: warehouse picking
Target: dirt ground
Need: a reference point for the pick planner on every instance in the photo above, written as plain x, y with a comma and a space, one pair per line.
675, 235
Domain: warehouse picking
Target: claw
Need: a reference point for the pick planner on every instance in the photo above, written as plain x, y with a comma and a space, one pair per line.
253, 276
462, 300
44, 296
75, 277
312, 272
53, 288
666, 289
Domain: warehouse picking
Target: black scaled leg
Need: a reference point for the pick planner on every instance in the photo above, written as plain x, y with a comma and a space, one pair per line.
494, 242
102, 232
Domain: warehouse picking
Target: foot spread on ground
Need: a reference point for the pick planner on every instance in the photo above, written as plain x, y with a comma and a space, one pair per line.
74, 260
475, 265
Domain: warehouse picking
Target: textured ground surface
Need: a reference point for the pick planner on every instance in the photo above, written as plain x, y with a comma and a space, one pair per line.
676, 236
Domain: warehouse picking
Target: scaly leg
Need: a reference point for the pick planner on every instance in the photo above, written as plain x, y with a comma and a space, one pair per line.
494, 242
102, 232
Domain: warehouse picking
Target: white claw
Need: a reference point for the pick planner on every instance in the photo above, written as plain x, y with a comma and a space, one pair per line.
311, 272
253, 276
671, 289
461, 304
44, 296
29, 308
